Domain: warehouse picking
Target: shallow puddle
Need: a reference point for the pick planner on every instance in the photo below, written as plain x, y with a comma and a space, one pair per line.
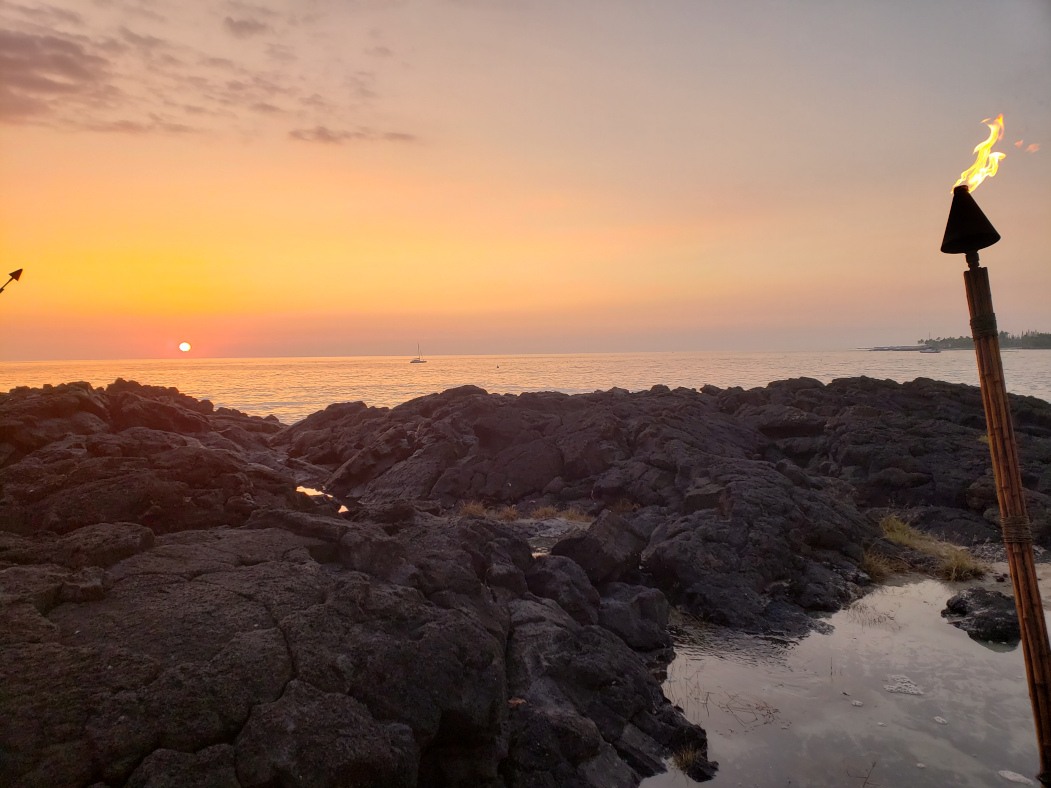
818, 711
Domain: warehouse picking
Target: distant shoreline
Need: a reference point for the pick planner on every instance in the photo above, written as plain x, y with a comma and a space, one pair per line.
1027, 340
918, 348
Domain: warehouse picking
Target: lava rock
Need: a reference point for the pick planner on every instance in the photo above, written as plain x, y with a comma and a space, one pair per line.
606, 550
636, 614
561, 579
984, 615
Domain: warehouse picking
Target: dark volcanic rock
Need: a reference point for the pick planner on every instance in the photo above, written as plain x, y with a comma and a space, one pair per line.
589, 713
984, 615
637, 614
73, 455
781, 546
755, 499
304, 651
323, 739
561, 579
172, 612
606, 550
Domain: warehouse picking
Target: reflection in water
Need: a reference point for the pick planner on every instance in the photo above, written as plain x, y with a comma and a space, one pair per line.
817, 712
313, 493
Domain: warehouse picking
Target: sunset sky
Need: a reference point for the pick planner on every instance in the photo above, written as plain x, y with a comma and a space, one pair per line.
348, 177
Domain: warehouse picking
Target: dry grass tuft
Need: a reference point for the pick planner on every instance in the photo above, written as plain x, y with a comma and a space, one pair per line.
955, 563
959, 565
686, 758
508, 513
900, 532
624, 506
879, 567
544, 513
576, 516
472, 509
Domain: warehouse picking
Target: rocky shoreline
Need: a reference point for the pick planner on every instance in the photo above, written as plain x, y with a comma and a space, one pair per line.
176, 613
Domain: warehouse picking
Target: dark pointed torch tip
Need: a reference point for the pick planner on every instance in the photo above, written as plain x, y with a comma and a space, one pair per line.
968, 229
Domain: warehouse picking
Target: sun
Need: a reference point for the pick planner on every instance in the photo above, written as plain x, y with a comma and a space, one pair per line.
184, 346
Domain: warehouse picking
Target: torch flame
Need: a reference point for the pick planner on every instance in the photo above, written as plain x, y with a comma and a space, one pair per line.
987, 162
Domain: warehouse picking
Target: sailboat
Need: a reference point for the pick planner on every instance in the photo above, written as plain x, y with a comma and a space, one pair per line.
419, 356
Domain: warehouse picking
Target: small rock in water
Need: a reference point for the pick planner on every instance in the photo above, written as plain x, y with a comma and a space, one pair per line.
856, 703
921, 766
903, 685
984, 615
941, 720
1015, 777
882, 724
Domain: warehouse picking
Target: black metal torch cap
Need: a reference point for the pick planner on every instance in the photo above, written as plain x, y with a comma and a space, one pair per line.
967, 229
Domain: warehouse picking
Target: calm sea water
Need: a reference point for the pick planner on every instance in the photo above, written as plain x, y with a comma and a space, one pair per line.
291, 388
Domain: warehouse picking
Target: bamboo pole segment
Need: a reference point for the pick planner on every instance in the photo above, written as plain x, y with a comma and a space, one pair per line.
1014, 519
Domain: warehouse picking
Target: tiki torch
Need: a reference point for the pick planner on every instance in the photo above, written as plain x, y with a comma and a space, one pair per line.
967, 231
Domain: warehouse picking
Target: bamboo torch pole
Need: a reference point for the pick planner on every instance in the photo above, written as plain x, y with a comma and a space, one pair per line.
1018, 538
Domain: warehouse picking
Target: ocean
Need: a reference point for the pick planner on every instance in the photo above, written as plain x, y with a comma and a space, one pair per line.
291, 388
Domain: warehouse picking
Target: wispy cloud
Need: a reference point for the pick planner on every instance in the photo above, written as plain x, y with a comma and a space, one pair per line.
44, 14
339, 136
155, 124
141, 41
245, 28
156, 66
36, 69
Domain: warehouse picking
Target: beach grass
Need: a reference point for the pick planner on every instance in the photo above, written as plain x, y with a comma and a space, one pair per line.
686, 758
575, 515
954, 563
544, 512
472, 509
880, 567
623, 506
901, 533
959, 565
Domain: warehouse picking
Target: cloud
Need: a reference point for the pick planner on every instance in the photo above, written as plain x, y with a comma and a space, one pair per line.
322, 134
218, 62
339, 136
251, 8
280, 53
314, 100
115, 72
18, 107
137, 127
35, 69
46, 14
141, 41
245, 28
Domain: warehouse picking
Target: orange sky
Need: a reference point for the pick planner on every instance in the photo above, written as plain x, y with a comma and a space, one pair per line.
342, 179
